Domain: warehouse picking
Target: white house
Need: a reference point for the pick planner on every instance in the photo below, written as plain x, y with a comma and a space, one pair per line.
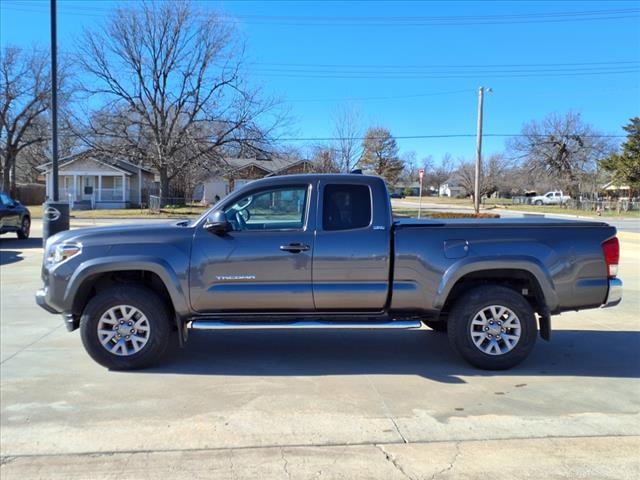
89, 180
240, 171
451, 188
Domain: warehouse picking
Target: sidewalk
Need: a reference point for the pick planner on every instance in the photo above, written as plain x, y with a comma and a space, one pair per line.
548, 458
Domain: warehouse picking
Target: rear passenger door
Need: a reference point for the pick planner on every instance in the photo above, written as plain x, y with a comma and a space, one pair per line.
352, 247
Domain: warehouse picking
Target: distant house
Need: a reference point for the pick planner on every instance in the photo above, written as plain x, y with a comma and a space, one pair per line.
91, 180
240, 171
616, 190
451, 188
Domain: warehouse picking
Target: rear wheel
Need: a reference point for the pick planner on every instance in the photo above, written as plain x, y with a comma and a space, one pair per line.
25, 229
125, 328
538, 202
492, 327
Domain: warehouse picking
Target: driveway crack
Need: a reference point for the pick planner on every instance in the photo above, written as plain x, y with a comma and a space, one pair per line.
31, 344
391, 459
451, 463
286, 463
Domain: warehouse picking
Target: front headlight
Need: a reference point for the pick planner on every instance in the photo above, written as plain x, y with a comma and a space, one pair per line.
62, 252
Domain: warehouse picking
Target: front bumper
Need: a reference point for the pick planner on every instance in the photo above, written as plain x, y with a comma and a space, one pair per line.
70, 321
614, 297
43, 300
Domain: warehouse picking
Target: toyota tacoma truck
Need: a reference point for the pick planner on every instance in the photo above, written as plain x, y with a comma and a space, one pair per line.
323, 251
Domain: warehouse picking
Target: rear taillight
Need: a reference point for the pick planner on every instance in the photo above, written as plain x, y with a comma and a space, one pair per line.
611, 250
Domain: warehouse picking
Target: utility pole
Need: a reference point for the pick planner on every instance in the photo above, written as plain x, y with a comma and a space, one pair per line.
54, 100
476, 183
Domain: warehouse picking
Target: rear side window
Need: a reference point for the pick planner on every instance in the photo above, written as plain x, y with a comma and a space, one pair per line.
346, 207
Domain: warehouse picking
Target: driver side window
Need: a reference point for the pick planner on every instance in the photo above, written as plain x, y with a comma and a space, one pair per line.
273, 209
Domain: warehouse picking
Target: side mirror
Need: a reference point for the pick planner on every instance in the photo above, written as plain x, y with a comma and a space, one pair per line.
217, 223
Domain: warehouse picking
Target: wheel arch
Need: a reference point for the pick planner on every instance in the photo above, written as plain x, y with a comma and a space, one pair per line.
524, 277
90, 279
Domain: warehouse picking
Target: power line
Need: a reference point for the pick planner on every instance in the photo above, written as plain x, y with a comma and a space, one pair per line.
453, 20
388, 97
453, 135
320, 75
488, 65
606, 91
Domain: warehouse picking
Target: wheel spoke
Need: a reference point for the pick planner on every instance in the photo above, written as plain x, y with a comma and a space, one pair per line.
106, 336
137, 342
478, 338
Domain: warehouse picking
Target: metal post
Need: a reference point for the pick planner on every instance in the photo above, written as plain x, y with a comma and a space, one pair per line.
476, 183
55, 214
54, 100
420, 201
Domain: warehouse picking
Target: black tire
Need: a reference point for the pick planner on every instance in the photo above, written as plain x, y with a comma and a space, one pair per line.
436, 325
147, 302
465, 309
25, 229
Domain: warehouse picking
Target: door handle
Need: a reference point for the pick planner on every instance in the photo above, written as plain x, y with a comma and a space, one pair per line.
294, 247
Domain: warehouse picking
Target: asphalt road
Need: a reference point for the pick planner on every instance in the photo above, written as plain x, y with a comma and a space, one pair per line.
317, 404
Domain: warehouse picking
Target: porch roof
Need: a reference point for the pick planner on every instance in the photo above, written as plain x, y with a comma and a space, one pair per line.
46, 168
118, 164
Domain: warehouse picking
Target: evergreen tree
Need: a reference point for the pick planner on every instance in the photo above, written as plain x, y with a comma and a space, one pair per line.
625, 167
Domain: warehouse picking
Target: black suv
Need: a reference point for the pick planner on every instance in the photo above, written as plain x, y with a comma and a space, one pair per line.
14, 217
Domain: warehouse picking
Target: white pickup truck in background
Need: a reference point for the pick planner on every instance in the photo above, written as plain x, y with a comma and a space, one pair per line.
551, 198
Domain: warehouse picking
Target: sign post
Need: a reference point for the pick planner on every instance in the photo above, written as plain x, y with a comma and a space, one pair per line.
421, 175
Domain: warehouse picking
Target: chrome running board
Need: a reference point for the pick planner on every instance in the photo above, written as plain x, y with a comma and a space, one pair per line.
211, 325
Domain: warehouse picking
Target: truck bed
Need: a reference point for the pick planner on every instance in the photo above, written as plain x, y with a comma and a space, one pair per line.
496, 222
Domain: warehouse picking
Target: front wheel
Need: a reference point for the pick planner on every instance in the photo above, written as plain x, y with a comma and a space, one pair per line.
125, 328
492, 327
25, 229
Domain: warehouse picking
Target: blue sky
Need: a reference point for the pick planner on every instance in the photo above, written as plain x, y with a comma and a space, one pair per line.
414, 67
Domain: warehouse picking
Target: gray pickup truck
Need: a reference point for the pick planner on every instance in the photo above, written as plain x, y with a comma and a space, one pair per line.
323, 251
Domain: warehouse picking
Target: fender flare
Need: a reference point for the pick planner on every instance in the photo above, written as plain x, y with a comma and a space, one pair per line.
156, 265
467, 265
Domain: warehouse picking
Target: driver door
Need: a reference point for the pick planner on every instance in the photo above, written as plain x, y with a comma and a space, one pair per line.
264, 263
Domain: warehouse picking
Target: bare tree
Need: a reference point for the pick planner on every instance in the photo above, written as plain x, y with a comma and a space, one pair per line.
348, 131
170, 78
438, 174
562, 147
25, 90
326, 159
492, 177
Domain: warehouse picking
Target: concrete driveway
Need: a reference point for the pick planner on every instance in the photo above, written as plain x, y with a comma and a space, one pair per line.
317, 404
